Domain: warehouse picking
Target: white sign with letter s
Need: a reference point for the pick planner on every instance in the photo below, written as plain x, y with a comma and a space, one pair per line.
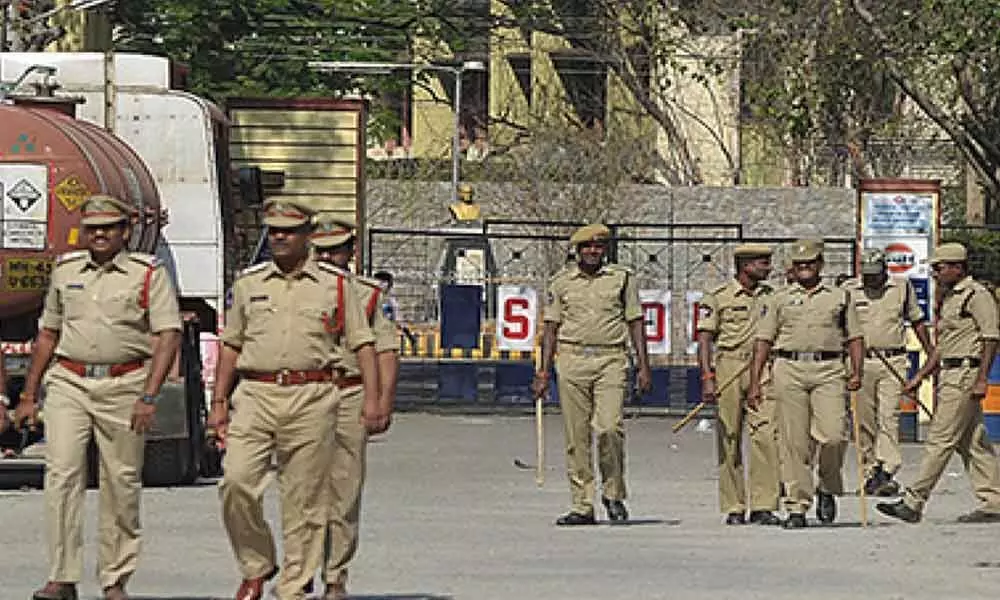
517, 317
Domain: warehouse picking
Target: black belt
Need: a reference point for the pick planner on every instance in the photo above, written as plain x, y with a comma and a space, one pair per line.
808, 356
954, 363
886, 352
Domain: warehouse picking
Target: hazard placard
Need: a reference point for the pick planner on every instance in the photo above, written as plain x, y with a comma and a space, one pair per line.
71, 192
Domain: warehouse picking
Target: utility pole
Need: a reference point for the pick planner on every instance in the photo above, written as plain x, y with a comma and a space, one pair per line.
4, 20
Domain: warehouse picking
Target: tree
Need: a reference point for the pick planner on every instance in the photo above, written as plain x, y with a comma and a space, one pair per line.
943, 55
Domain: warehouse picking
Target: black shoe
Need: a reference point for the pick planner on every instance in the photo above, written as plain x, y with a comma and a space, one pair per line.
308, 588
617, 512
888, 488
795, 521
575, 518
980, 516
764, 517
878, 479
735, 519
898, 510
826, 508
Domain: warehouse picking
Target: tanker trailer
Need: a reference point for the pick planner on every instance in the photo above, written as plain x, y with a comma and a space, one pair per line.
49, 163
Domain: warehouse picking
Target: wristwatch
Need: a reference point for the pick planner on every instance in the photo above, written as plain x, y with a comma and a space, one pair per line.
149, 399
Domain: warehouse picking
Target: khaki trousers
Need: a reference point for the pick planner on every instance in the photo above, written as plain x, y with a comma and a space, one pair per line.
592, 395
878, 414
347, 475
762, 433
957, 426
292, 424
813, 421
76, 408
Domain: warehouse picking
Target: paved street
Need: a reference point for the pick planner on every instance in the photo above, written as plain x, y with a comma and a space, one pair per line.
448, 515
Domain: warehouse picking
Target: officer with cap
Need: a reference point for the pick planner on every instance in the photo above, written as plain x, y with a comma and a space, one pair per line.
110, 330
884, 305
592, 310
333, 242
808, 324
728, 317
285, 328
967, 338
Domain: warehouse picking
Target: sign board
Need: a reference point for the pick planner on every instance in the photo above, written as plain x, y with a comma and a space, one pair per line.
900, 217
517, 318
693, 306
656, 316
24, 197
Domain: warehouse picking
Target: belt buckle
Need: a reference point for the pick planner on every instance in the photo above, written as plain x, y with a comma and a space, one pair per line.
589, 351
283, 377
96, 371
807, 356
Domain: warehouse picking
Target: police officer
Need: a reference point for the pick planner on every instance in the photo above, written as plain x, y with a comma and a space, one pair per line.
808, 324
287, 319
110, 330
884, 304
592, 309
728, 318
333, 241
967, 337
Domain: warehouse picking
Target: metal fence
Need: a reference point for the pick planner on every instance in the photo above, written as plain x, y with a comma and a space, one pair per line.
680, 258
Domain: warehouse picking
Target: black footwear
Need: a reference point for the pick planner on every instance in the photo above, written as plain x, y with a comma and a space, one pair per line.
308, 588
877, 479
764, 517
795, 521
617, 513
826, 508
980, 516
888, 489
56, 591
575, 518
736, 519
898, 510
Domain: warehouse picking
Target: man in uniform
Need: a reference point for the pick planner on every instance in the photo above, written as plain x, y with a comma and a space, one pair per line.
884, 304
592, 309
286, 322
333, 241
966, 344
728, 318
808, 324
107, 312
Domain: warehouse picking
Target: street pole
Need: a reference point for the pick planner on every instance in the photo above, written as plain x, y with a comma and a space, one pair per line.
4, 5
456, 137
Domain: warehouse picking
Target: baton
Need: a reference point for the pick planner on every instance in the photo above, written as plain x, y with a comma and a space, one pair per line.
694, 411
901, 381
860, 458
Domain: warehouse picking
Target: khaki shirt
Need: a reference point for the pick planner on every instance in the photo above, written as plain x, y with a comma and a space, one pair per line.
288, 321
968, 315
593, 310
98, 310
820, 320
369, 292
883, 318
731, 313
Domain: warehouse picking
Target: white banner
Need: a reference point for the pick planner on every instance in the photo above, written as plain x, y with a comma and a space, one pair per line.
656, 316
517, 317
897, 213
692, 303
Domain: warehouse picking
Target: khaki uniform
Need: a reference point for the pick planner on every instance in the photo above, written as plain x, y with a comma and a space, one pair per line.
592, 313
348, 468
730, 313
284, 322
883, 317
104, 316
808, 330
968, 315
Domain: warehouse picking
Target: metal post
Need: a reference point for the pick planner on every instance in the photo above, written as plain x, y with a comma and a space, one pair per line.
4, 20
455, 141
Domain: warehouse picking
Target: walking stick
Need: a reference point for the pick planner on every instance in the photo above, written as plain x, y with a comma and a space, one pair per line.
901, 381
539, 432
694, 411
860, 458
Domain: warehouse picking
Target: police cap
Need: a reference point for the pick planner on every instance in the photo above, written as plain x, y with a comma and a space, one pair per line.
806, 250
284, 213
102, 209
595, 232
950, 252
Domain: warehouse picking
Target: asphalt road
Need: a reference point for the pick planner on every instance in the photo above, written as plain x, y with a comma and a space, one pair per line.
448, 515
